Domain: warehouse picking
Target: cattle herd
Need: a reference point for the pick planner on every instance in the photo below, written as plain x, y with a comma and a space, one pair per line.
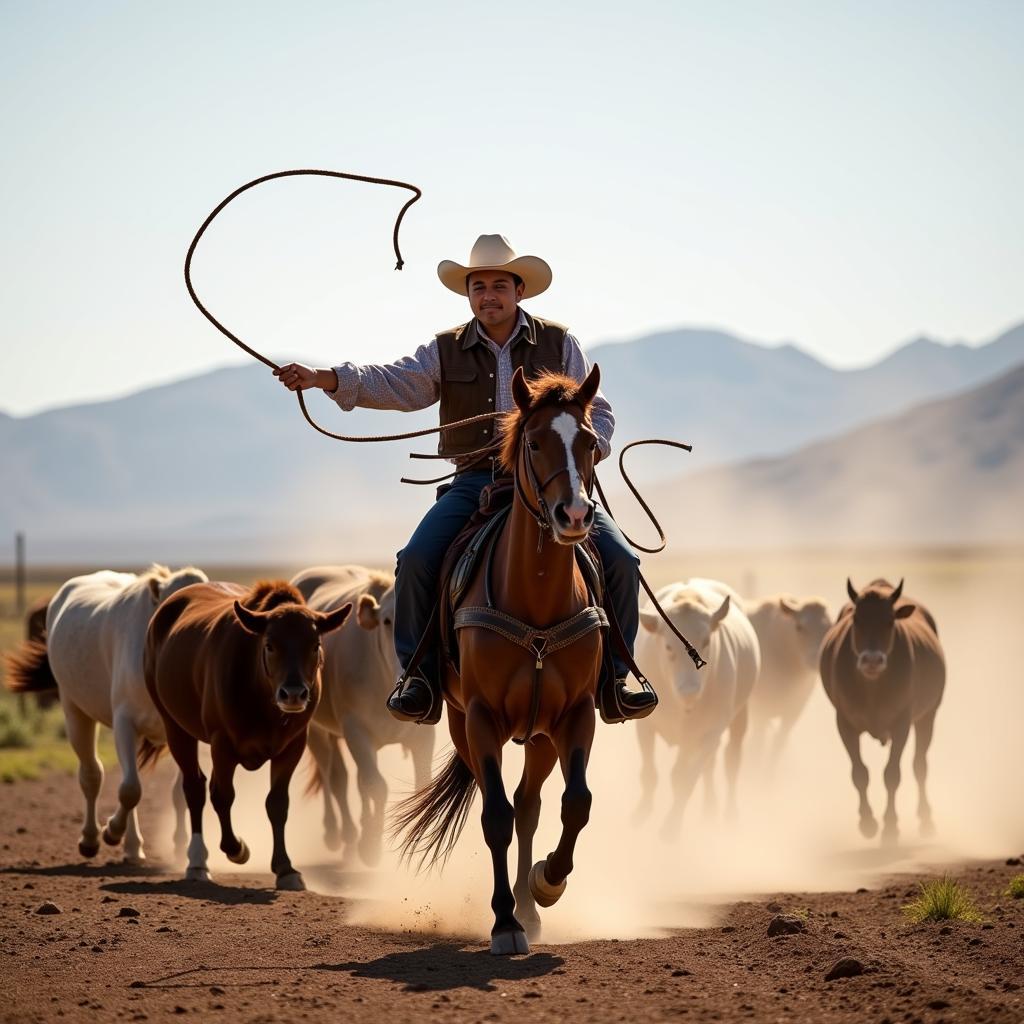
170, 659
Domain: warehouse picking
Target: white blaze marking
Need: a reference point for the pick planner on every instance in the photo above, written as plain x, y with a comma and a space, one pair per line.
566, 427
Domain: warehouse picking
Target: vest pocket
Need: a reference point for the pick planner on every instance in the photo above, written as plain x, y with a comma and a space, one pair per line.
460, 399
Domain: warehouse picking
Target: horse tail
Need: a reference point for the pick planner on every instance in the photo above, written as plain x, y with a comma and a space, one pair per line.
148, 753
433, 818
28, 668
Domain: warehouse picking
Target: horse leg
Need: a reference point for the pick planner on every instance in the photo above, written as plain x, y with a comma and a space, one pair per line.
323, 746
281, 769
82, 737
498, 821
733, 753
890, 830
923, 728
222, 796
180, 838
373, 790
540, 759
646, 736
185, 751
130, 791
573, 741
851, 740
690, 761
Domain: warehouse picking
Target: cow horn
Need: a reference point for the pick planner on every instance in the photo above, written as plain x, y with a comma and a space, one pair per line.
897, 592
850, 590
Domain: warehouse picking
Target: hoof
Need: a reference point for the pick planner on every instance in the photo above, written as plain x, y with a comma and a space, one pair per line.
333, 841
135, 860
531, 923
109, 838
88, 849
544, 892
868, 827
197, 875
291, 881
242, 855
509, 943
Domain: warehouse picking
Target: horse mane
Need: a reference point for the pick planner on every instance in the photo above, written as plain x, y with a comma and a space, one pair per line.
156, 571
267, 594
547, 388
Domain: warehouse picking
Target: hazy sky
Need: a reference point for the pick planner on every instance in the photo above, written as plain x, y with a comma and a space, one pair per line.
842, 175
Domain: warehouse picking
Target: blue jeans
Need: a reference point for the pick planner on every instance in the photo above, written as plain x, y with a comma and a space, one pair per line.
419, 566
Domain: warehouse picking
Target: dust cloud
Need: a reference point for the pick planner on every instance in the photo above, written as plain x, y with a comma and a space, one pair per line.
796, 829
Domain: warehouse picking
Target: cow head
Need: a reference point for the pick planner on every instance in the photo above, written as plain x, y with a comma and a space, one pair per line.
698, 622
291, 654
379, 617
810, 620
873, 634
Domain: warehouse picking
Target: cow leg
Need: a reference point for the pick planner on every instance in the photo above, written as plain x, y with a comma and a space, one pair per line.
851, 740
81, 731
922, 741
373, 790
185, 751
710, 791
130, 791
733, 753
540, 758
421, 748
222, 796
781, 735
890, 828
330, 766
690, 761
646, 736
281, 769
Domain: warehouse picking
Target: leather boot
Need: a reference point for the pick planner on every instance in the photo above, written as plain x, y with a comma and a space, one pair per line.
618, 704
417, 701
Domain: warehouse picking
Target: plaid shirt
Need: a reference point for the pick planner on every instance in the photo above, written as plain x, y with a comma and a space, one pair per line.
415, 381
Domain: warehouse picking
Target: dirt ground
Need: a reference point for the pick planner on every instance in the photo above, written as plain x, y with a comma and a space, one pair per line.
237, 950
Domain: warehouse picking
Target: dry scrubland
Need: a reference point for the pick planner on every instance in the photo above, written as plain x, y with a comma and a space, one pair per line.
644, 932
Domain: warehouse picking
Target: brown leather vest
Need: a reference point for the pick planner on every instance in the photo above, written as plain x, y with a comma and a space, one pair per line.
469, 376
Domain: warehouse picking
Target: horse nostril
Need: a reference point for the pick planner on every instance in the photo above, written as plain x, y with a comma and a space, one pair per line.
561, 515
588, 519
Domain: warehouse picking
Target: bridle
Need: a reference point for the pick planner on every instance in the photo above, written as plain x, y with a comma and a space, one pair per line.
541, 512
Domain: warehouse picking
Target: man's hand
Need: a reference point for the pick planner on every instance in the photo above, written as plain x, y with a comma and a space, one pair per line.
296, 377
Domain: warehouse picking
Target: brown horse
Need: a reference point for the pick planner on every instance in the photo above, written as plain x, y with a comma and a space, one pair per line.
239, 670
529, 647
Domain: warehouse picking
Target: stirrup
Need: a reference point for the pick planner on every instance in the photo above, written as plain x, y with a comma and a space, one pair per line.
612, 708
429, 717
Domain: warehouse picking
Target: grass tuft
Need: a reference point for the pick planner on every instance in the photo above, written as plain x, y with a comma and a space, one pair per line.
1016, 887
942, 899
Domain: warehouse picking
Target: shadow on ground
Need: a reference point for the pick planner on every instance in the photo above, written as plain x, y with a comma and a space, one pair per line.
229, 895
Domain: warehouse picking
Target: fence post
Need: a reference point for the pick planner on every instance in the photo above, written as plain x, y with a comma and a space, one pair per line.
19, 573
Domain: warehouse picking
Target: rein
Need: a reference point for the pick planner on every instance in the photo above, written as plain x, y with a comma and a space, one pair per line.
541, 515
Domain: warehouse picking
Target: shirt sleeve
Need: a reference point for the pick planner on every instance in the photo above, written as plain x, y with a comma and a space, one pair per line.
577, 366
411, 383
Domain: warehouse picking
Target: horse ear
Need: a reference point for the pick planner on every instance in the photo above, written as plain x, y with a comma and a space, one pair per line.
521, 391
851, 591
588, 389
905, 611
788, 606
252, 622
327, 622
368, 613
154, 590
650, 620
722, 612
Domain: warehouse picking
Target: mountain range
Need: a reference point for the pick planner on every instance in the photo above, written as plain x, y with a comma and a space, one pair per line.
222, 467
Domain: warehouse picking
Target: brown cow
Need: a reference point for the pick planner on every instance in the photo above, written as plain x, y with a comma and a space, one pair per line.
241, 671
884, 670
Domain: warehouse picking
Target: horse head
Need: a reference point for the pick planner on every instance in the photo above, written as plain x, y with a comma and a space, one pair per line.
550, 447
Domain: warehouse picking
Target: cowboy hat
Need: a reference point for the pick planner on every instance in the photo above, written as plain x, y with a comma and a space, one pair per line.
492, 252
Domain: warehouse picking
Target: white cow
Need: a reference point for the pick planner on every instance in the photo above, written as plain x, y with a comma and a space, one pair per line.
790, 631
697, 706
360, 670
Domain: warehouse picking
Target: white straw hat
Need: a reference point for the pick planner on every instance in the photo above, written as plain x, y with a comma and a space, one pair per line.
492, 252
